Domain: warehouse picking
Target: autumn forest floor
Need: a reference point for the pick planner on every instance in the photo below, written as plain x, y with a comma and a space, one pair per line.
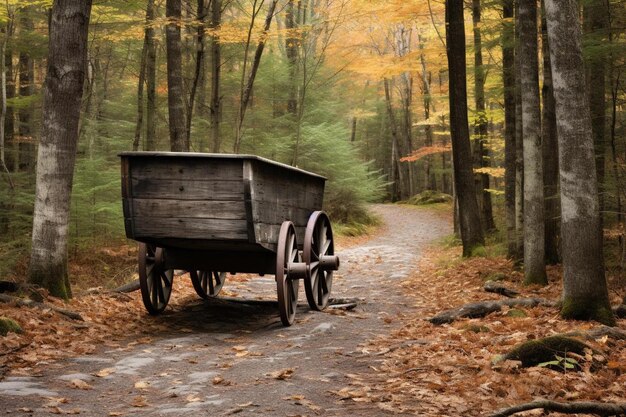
229, 356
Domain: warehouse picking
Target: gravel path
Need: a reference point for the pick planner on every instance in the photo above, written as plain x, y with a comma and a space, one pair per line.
226, 357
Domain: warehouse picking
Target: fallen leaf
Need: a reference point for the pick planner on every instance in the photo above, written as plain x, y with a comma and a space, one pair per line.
218, 380
282, 374
142, 384
80, 384
105, 372
193, 398
139, 401
115, 413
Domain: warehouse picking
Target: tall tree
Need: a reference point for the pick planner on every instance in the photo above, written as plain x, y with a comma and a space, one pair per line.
198, 78
62, 95
508, 76
585, 294
216, 65
550, 154
469, 216
176, 105
27, 89
519, 147
534, 227
596, 23
142, 73
481, 154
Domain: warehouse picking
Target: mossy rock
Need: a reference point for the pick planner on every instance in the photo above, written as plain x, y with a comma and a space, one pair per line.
476, 328
517, 313
534, 352
495, 276
9, 325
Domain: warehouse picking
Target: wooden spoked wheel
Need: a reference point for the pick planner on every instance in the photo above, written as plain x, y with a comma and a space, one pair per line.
155, 281
287, 287
207, 283
318, 254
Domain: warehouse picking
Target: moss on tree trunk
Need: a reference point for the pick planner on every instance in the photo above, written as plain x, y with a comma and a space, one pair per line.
586, 309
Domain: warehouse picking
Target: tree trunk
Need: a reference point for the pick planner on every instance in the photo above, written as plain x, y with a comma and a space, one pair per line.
430, 180
199, 70
397, 181
469, 216
245, 96
508, 76
519, 148
585, 294
480, 129
550, 155
62, 95
27, 148
291, 49
176, 105
596, 23
151, 82
216, 65
141, 82
534, 226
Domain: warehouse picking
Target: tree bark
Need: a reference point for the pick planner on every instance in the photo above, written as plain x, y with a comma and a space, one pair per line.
27, 148
550, 155
176, 105
199, 69
534, 227
508, 64
596, 23
151, 95
430, 180
291, 49
585, 294
63, 90
480, 128
519, 148
216, 65
397, 178
471, 231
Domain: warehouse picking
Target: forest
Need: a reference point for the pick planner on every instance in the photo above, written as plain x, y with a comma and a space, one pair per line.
506, 118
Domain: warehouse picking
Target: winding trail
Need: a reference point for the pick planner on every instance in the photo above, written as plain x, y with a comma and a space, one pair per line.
225, 357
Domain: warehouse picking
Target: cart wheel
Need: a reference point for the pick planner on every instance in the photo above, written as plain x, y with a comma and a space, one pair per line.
318, 253
155, 281
287, 287
207, 283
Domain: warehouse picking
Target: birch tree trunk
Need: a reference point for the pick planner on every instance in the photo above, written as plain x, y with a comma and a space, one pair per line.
469, 216
585, 295
550, 155
62, 94
176, 105
534, 227
508, 76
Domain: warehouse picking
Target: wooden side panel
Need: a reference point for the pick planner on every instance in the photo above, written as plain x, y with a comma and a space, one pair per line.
278, 195
169, 197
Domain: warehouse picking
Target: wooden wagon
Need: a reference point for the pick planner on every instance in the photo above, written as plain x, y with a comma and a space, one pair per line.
214, 213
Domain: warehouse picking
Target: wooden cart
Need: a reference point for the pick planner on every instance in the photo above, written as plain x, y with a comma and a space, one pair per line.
213, 213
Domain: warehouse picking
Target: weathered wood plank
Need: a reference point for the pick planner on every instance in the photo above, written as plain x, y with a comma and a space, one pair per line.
186, 228
199, 209
221, 190
172, 168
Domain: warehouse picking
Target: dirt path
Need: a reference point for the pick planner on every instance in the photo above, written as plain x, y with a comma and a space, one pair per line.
228, 357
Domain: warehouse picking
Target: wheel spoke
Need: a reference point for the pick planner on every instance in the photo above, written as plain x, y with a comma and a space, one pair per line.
324, 285
211, 285
161, 293
326, 246
154, 293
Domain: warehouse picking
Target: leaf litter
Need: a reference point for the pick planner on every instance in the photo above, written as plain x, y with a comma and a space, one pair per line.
449, 370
